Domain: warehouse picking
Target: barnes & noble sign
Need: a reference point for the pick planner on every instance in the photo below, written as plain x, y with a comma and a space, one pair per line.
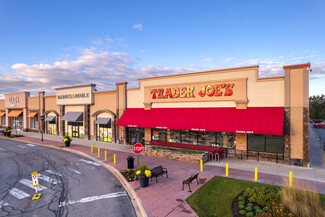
74, 96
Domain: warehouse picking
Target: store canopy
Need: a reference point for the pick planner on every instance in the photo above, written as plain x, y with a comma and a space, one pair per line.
253, 120
73, 116
103, 121
32, 114
15, 113
50, 118
2, 114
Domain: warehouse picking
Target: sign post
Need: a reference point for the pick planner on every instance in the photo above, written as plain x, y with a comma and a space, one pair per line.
137, 149
35, 185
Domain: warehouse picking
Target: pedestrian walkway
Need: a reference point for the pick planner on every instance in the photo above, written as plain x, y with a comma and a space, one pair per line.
166, 197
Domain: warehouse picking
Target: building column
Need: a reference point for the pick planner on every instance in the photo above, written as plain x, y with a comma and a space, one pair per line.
86, 122
297, 112
41, 110
121, 105
7, 118
25, 120
62, 125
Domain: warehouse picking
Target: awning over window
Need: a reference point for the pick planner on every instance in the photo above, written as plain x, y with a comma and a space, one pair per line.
253, 120
50, 118
15, 113
2, 114
103, 121
32, 114
73, 116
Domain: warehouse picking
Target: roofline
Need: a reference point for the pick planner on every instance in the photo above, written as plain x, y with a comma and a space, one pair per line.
69, 87
296, 66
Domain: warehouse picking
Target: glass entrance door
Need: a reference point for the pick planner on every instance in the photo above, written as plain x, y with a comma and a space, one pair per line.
75, 129
105, 133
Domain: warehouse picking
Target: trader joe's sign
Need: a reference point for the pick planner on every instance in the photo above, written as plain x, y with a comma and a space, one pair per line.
203, 91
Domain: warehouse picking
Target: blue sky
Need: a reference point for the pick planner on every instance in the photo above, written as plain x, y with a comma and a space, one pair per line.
46, 44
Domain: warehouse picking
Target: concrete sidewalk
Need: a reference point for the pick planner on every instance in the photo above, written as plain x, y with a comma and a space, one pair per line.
166, 197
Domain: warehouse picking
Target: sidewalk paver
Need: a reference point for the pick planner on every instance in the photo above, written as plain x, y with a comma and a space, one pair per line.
165, 197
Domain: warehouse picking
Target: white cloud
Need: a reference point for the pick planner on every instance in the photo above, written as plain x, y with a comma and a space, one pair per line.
230, 59
108, 39
138, 26
208, 60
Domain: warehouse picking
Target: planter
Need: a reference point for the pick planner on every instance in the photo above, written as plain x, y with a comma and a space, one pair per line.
143, 180
67, 144
8, 134
4, 133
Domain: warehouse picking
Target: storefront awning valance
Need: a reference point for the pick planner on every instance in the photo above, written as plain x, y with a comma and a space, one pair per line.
32, 114
15, 113
50, 118
73, 116
103, 121
253, 120
2, 114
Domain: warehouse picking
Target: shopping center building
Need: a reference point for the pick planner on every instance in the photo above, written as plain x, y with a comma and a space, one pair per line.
249, 116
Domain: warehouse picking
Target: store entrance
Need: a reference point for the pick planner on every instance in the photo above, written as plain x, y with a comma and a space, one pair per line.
138, 133
75, 129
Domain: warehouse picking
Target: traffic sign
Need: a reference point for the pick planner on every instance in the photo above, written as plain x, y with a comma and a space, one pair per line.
35, 180
137, 148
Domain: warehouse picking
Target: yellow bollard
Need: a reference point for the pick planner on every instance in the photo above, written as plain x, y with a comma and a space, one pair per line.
227, 169
290, 178
92, 148
114, 158
256, 176
98, 152
105, 155
201, 163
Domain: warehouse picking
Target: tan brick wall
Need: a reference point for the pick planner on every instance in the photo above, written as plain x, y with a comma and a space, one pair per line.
2, 105
33, 103
50, 103
241, 141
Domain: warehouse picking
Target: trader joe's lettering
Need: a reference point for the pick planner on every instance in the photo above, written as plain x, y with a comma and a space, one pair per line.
188, 92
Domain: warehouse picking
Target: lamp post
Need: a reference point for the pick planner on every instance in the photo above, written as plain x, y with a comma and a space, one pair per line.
42, 122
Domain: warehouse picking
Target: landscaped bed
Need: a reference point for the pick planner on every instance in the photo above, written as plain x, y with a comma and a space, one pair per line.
227, 197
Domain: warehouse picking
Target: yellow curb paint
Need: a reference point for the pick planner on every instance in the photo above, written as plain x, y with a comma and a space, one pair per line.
290, 178
105, 155
201, 164
256, 175
98, 152
227, 169
92, 148
114, 158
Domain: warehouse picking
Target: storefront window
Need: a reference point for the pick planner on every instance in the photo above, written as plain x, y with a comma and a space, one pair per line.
231, 140
105, 132
265, 143
207, 138
76, 129
34, 122
138, 133
159, 135
175, 136
189, 137
3, 120
52, 128
17, 123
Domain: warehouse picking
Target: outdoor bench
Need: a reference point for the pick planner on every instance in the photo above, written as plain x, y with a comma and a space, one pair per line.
158, 171
189, 181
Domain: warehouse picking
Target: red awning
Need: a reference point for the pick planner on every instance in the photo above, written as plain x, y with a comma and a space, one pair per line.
253, 120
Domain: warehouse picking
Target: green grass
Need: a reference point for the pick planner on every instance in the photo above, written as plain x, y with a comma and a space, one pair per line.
216, 196
186, 151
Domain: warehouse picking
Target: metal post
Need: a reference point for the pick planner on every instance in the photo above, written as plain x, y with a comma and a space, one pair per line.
42, 135
138, 160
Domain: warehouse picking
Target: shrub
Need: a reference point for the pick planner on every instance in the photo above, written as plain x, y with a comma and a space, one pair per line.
259, 211
250, 204
245, 195
241, 202
143, 167
278, 210
249, 208
249, 214
241, 198
302, 200
242, 212
266, 209
241, 206
256, 207
263, 196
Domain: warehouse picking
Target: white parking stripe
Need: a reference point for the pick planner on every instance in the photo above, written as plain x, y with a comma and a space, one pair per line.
21, 146
18, 193
48, 179
52, 172
89, 199
75, 171
2, 204
30, 145
1, 149
90, 162
29, 183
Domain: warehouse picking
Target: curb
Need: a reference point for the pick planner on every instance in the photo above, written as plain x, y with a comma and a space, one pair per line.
135, 200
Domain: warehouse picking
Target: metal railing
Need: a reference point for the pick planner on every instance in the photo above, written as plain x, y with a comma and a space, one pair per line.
214, 157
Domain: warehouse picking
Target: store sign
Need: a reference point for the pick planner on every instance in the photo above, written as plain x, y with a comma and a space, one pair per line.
79, 95
229, 90
16, 100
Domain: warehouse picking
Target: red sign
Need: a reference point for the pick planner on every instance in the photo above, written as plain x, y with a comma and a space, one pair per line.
137, 148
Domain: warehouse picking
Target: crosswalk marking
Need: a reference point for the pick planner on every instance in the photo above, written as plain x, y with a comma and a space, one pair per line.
89, 199
90, 162
52, 172
18, 193
30, 145
21, 146
48, 179
1, 149
29, 183
2, 204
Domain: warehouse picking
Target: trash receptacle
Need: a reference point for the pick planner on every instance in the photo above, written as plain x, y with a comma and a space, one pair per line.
130, 160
